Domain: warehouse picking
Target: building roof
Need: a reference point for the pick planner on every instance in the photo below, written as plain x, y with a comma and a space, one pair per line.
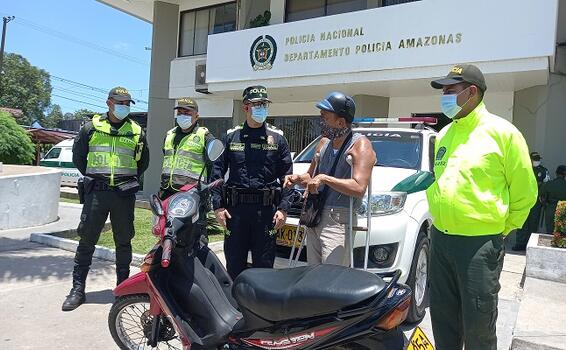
49, 136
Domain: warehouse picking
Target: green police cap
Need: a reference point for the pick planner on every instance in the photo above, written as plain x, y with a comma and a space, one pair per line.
187, 102
120, 94
255, 94
461, 73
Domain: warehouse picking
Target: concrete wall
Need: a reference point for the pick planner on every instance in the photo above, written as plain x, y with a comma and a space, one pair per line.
540, 113
29, 196
500, 103
371, 106
160, 111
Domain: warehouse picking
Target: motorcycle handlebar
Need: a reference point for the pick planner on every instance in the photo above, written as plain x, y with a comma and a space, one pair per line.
166, 255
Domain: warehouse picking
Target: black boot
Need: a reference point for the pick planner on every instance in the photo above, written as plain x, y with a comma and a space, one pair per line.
77, 295
122, 275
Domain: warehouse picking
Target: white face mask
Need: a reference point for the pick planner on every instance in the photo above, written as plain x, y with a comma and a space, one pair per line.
536, 163
184, 121
121, 111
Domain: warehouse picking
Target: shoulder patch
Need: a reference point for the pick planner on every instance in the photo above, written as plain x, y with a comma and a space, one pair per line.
237, 127
274, 129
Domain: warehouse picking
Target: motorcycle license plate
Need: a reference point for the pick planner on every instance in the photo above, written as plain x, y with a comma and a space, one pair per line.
286, 236
419, 341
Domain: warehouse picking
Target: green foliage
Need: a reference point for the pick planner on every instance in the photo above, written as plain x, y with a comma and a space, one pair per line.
54, 117
261, 20
84, 114
15, 144
25, 87
559, 239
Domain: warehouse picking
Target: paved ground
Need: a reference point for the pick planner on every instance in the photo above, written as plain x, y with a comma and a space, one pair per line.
34, 280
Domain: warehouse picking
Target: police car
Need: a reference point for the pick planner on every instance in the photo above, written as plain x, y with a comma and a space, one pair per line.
60, 156
400, 219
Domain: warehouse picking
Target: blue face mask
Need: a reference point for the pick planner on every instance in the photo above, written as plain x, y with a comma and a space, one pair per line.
121, 111
184, 121
259, 114
449, 104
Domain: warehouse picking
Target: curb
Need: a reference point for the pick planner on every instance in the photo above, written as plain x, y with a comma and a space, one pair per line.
71, 245
522, 344
56, 240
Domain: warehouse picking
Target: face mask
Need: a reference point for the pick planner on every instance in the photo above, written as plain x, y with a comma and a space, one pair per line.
259, 114
536, 163
449, 104
121, 111
184, 121
330, 132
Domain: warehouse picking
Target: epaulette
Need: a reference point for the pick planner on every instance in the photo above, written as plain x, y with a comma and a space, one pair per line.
274, 129
237, 127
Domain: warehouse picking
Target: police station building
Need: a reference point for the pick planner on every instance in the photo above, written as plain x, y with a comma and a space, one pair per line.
382, 52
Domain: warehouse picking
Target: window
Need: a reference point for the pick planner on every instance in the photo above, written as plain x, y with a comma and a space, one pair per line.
196, 25
53, 154
296, 10
393, 149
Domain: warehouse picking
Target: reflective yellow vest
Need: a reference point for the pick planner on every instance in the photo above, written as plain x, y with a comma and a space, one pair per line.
113, 154
186, 162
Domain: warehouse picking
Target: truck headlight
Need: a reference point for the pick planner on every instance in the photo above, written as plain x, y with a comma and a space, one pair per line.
383, 203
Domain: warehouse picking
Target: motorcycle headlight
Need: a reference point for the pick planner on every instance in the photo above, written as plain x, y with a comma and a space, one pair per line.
384, 203
182, 205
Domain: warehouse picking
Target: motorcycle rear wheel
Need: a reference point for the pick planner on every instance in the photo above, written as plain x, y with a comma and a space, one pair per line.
130, 325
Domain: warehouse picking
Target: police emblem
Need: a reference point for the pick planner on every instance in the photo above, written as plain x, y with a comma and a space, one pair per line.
196, 139
270, 140
440, 153
263, 52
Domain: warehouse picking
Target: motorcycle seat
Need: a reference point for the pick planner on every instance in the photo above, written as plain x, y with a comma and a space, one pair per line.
301, 292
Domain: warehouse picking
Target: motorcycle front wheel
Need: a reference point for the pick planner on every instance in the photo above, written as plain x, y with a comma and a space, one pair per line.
130, 324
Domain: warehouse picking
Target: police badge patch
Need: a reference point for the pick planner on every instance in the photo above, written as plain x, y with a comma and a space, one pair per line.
263, 52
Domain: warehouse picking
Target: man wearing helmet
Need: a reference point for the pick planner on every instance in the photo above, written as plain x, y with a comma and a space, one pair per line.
330, 175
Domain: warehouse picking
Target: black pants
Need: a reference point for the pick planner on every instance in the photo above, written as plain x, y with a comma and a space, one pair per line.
530, 226
251, 228
97, 206
464, 287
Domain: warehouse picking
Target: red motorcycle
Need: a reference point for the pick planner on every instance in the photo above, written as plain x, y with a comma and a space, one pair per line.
183, 298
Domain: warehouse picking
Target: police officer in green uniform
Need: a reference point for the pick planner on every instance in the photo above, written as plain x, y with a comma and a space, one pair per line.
184, 154
484, 188
533, 220
111, 152
552, 192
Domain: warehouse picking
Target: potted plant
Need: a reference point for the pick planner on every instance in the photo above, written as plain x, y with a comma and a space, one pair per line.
559, 235
261, 20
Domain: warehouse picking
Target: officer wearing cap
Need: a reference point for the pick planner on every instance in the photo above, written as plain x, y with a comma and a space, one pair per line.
111, 152
185, 149
184, 155
252, 204
533, 220
327, 242
484, 188
551, 193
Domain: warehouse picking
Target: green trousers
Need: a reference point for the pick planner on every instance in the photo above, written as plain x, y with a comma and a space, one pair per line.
464, 282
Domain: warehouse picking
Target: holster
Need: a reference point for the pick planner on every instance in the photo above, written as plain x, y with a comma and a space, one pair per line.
128, 188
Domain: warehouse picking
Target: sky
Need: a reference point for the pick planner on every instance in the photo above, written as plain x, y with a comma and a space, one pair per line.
84, 42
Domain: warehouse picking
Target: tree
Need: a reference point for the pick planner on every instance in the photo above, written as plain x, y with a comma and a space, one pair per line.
25, 87
54, 117
16, 146
84, 114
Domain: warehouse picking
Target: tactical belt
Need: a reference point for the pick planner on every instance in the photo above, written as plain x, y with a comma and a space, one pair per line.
265, 197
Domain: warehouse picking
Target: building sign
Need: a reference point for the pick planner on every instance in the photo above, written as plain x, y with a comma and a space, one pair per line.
418, 34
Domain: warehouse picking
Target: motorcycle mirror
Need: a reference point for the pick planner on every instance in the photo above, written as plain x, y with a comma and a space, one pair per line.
156, 207
214, 149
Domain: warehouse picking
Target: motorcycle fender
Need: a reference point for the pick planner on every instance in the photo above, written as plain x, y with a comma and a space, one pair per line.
137, 284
